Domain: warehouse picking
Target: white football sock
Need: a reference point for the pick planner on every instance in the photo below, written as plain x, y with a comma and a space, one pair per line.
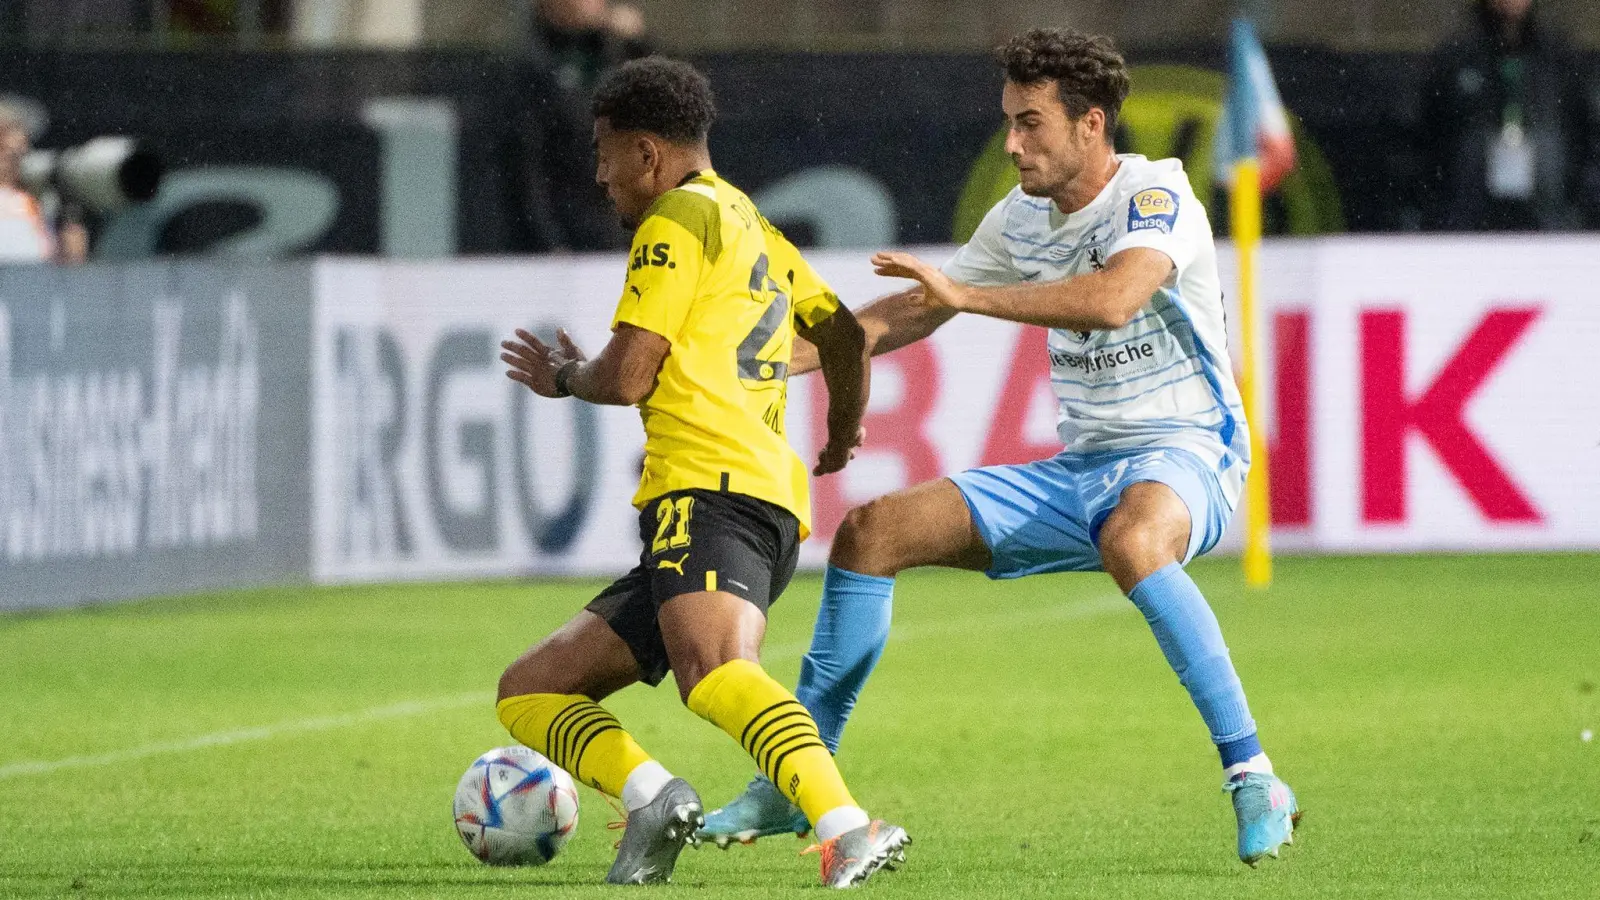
838, 820
643, 784
1257, 763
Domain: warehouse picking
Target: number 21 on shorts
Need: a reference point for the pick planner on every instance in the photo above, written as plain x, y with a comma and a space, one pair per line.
672, 523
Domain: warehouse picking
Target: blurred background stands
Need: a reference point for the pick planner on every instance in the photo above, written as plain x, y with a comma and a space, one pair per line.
441, 127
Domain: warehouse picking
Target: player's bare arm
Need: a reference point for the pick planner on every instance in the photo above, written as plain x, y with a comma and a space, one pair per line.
840, 345
889, 322
622, 375
1094, 301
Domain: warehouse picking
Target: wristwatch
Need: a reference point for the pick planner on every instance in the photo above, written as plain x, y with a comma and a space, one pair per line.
563, 375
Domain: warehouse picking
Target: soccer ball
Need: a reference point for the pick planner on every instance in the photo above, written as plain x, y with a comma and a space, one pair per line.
514, 808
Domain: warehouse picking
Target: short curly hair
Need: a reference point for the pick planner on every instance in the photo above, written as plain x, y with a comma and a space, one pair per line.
1087, 69
666, 97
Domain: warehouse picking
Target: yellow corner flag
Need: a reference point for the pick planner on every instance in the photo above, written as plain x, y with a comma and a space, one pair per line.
1255, 150
1245, 210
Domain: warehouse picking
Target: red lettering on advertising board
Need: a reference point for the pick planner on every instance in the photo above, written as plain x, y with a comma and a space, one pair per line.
1290, 456
900, 431
1008, 443
1389, 415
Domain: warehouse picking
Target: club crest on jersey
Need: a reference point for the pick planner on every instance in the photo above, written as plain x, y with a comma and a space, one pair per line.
1153, 208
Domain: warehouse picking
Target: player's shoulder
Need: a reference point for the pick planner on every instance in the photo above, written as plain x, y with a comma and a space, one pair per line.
1017, 212
1153, 192
696, 206
1139, 174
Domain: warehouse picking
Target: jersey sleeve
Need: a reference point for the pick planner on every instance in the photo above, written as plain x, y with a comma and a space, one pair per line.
814, 301
1163, 216
663, 275
983, 260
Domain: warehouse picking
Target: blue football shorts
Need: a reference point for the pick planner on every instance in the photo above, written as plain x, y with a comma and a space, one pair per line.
1045, 516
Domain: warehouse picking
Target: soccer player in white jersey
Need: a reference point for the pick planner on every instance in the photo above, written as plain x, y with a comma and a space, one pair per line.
1113, 254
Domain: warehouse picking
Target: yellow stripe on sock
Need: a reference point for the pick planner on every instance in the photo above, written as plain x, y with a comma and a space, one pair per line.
775, 729
576, 734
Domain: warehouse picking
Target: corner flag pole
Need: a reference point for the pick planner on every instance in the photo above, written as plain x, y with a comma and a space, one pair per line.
1245, 211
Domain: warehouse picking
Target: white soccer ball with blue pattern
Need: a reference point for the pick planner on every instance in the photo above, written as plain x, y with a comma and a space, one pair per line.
515, 808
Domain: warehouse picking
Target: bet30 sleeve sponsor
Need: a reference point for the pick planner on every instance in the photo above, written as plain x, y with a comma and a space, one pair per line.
1162, 217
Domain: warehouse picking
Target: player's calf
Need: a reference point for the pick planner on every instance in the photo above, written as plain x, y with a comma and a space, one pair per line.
1143, 545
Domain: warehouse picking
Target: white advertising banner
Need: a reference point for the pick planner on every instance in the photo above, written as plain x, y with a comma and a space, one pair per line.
1426, 393
168, 453
1452, 394
430, 463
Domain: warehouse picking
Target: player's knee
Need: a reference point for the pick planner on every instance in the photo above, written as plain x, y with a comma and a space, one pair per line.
689, 673
516, 681
688, 677
1131, 549
859, 545
535, 672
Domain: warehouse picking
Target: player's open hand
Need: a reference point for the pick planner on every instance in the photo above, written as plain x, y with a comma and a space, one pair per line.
535, 363
938, 289
837, 455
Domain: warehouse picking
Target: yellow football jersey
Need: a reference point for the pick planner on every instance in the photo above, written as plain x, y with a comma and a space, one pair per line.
711, 275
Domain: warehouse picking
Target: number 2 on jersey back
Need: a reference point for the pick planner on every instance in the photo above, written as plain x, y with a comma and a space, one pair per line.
672, 523
752, 368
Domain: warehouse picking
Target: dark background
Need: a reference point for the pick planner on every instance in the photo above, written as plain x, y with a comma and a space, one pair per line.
914, 121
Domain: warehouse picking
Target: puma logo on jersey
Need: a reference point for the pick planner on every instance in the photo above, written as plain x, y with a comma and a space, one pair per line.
669, 564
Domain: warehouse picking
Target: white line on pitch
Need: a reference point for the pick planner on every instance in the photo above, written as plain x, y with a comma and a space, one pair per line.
407, 709
246, 735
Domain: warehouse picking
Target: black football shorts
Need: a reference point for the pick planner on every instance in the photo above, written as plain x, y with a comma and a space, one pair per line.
698, 540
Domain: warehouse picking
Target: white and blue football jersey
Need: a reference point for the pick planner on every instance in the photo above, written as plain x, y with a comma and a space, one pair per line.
1165, 378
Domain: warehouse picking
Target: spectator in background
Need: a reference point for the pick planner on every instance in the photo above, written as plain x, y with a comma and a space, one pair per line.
577, 40
1507, 132
584, 38
25, 236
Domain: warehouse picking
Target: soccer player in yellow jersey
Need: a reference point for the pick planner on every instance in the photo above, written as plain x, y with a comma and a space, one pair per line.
700, 342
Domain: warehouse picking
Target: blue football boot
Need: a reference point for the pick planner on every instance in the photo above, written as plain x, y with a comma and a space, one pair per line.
759, 812
1267, 814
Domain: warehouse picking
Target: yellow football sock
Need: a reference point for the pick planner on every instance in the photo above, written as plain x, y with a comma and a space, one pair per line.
742, 699
576, 734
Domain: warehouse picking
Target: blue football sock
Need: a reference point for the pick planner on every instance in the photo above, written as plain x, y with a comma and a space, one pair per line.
852, 627
1190, 638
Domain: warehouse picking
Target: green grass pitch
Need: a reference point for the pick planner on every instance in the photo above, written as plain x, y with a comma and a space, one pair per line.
1028, 734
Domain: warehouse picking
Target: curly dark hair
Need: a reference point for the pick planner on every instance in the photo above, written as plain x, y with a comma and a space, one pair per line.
1087, 69
666, 97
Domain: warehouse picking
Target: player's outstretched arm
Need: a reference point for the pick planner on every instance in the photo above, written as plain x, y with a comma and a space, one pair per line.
1095, 301
841, 348
889, 322
623, 374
